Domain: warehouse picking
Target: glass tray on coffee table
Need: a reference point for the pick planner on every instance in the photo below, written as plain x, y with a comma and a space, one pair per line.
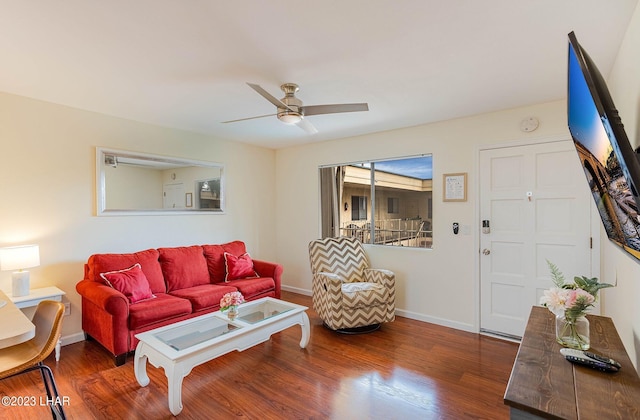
180, 338
263, 310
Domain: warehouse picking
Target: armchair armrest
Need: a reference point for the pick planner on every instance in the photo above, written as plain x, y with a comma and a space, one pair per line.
327, 297
269, 269
328, 283
377, 275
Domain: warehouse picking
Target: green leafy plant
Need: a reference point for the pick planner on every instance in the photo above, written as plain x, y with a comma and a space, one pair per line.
572, 299
556, 275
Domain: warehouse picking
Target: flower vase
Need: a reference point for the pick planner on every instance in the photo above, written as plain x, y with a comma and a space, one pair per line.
573, 332
232, 312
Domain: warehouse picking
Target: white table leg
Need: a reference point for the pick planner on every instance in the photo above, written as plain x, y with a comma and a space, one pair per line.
306, 332
140, 365
58, 345
175, 375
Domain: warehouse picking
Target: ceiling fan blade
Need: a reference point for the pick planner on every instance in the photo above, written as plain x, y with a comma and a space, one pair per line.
250, 118
307, 126
334, 109
269, 97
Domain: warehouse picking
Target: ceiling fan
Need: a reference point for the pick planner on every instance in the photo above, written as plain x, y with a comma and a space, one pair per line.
292, 111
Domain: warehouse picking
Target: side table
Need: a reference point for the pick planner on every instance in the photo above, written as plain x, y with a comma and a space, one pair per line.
36, 296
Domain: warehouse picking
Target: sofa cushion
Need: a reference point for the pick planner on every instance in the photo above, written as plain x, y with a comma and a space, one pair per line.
214, 255
238, 267
162, 308
148, 260
131, 282
206, 296
253, 287
183, 267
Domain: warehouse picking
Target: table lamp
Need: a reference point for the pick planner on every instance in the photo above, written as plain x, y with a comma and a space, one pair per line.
18, 258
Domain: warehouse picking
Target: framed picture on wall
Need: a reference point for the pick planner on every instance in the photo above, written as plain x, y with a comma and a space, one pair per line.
454, 187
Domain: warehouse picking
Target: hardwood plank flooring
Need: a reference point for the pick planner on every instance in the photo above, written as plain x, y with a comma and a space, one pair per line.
406, 370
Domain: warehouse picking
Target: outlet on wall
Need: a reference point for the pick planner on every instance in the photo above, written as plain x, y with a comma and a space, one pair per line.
67, 308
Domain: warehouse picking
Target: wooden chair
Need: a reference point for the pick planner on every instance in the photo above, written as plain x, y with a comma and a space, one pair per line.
28, 356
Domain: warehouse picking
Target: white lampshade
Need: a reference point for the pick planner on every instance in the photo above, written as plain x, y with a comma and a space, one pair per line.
19, 258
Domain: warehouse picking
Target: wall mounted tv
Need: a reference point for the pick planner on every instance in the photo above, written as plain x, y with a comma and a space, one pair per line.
610, 163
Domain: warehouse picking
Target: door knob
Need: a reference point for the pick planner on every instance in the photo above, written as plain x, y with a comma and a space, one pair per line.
486, 251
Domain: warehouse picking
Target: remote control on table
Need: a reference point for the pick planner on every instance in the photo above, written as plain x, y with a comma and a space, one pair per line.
602, 359
580, 357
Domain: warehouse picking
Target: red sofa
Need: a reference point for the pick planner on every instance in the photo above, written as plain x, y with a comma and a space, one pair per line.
183, 282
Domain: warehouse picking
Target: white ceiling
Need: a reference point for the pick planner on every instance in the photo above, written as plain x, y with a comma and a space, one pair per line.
184, 64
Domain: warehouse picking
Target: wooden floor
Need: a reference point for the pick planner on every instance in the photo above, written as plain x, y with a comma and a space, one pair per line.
406, 370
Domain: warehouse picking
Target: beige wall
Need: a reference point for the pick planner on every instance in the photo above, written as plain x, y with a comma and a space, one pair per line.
622, 303
439, 284
47, 182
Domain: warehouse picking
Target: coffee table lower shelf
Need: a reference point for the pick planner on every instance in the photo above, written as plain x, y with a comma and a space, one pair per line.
178, 363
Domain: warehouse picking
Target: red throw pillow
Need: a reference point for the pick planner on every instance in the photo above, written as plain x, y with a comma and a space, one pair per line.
131, 282
106, 263
183, 267
238, 267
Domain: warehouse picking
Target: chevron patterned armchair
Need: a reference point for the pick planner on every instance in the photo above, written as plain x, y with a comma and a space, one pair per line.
348, 294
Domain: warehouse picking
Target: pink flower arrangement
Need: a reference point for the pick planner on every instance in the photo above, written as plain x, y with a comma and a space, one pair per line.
571, 299
231, 299
560, 300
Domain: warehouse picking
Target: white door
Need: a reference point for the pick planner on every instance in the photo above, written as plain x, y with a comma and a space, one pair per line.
537, 203
173, 196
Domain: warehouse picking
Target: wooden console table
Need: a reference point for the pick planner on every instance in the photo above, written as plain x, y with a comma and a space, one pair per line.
543, 384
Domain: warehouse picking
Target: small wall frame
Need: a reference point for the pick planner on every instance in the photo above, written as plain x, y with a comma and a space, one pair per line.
454, 187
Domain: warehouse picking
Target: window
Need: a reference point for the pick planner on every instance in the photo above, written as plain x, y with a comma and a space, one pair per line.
393, 205
385, 202
358, 207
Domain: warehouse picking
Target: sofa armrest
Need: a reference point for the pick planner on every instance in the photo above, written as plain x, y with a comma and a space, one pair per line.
104, 297
105, 315
269, 269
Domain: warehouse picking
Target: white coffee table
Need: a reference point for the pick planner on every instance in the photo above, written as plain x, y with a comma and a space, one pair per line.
180, 347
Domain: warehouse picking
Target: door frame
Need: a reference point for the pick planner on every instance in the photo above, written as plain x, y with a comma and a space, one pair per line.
595, 223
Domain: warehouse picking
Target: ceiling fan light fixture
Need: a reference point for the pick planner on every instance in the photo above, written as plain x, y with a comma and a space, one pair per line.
290, 110
289, 117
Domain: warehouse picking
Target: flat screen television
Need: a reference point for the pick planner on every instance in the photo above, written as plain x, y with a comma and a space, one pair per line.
610, 163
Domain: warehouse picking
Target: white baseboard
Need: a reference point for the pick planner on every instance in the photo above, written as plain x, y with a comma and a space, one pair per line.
435, 320
73, 338
407, 314
297, 290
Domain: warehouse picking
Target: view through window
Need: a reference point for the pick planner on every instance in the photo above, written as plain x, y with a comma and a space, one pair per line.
385, 202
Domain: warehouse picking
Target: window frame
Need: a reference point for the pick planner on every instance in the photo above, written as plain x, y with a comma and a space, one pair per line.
414, 194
